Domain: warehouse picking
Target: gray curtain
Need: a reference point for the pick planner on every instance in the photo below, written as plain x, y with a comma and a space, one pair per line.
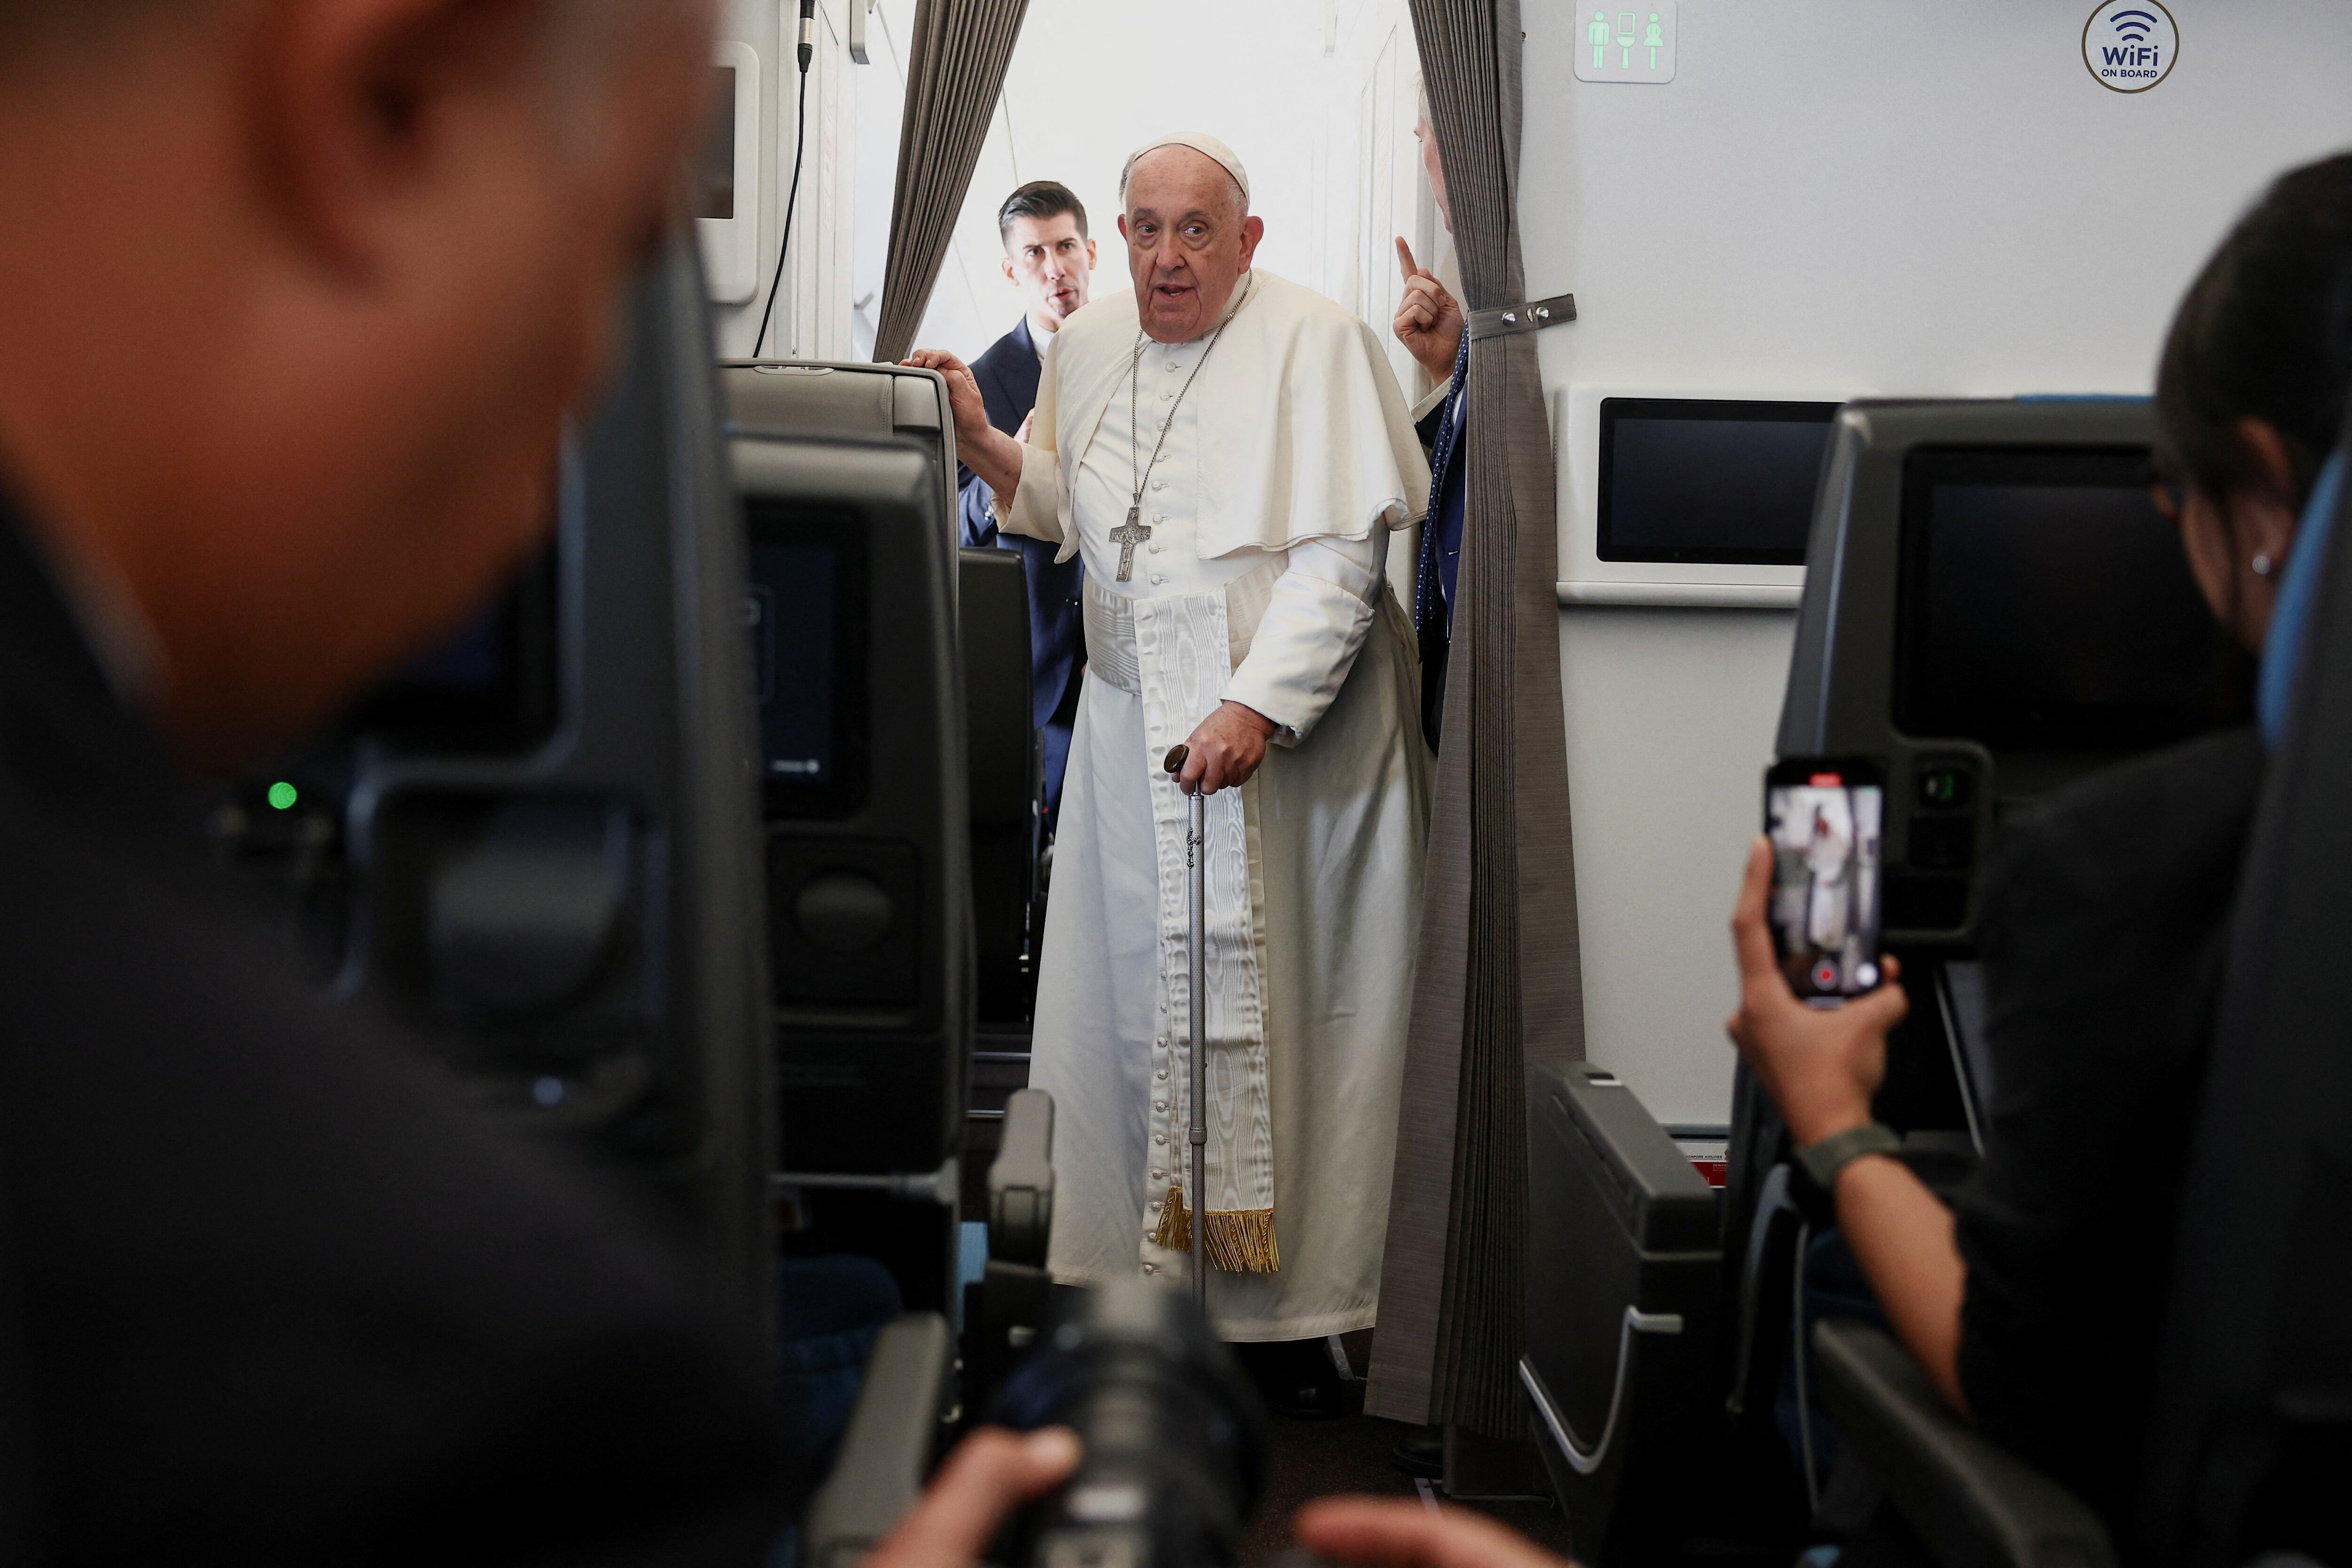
957, 70
1499, 984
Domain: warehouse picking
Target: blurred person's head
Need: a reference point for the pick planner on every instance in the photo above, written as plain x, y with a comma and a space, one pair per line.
2250, 391
1189, 236
1424, 131
1047, 255
293, 296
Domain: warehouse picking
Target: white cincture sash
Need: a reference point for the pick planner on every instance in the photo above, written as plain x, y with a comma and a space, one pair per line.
1176, 653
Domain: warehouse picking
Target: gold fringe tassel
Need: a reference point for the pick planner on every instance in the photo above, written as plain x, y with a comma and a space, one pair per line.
1175, 1232
1241, 1241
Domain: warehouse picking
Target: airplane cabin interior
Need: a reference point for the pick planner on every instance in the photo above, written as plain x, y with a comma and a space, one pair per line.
1821, 438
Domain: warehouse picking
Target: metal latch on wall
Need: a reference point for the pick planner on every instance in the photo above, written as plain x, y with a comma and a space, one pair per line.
1532, 317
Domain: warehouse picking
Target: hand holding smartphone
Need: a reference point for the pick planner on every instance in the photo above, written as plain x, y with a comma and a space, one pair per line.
1823, 818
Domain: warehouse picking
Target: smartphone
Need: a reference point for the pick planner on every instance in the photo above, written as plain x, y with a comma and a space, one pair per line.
1823, 817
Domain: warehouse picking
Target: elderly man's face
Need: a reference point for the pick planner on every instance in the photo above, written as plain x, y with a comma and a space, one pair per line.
1188, 241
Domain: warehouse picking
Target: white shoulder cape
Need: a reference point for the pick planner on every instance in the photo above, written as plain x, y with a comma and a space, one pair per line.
1303, 431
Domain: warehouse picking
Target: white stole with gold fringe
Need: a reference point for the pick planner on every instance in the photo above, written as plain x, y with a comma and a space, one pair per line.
1186, 647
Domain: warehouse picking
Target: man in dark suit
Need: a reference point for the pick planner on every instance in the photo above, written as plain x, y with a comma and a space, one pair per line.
1049, 258
1430, 324
273, 1290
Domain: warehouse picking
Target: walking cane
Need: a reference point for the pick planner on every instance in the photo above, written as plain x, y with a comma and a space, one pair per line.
1196, 862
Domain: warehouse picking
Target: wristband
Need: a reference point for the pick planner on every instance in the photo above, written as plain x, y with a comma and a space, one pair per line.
1824, 1160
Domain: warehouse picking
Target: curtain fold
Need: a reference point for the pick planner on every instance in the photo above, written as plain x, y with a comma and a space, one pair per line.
1499, 985
954, 75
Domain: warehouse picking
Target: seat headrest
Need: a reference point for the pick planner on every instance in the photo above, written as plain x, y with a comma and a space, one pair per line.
2283, 646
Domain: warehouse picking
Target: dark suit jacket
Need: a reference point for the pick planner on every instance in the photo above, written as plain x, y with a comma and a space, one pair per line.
279, 1292
2105, 931
1007, 374
1443, 431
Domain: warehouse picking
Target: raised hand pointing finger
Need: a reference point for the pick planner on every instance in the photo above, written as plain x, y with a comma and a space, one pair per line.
1428, 320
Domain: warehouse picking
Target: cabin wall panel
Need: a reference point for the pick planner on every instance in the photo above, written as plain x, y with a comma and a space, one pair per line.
812, 309
1907, 198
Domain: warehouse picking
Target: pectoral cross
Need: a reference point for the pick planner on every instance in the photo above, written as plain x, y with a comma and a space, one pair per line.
1126, 536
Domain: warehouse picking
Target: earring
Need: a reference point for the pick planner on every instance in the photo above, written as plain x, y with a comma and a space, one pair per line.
2261, 564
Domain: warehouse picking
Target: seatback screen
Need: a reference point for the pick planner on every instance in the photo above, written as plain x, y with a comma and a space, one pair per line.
806, 618
490, 688
2046, 604
1704, 481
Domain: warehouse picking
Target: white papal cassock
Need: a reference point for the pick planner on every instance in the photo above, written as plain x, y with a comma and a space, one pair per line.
1285, 467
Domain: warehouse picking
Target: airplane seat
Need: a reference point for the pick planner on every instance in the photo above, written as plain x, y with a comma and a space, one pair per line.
1622, 1306
1993, 607
544, 845
537, 846
848, 479
2246, 1459
2251, 1427
1008, 778
910, 1384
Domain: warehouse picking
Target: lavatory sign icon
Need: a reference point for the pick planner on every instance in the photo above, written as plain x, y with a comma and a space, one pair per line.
1616, 42
2130, 46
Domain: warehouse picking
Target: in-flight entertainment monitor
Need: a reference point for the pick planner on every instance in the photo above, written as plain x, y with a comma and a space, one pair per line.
1727, 481
1994, 606
2045, 604
490, 688
807, 620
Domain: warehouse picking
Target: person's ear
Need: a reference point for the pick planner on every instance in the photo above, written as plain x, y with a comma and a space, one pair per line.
2264, 512
1090, 247
1122, 229
1005, 261
354, 104
1252, 231
2273, 467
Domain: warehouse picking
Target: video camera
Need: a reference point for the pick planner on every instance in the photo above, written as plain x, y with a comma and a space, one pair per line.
1173, 1434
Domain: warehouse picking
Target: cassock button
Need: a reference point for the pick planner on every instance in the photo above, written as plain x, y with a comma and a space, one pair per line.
1152, 1269
1159, 1176
1163, 1074
1160, 1138
1157, 578
1159, 1105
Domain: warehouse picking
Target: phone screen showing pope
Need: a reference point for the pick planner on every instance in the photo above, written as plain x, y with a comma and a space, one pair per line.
1823, 818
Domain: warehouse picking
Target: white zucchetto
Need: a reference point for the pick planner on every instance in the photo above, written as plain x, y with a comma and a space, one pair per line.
1208, 146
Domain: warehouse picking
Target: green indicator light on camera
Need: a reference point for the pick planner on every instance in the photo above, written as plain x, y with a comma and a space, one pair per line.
283, 795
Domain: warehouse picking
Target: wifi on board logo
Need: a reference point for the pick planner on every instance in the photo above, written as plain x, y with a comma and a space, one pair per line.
2130, 46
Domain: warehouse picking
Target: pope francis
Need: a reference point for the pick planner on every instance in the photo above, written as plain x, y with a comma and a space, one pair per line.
1227, 452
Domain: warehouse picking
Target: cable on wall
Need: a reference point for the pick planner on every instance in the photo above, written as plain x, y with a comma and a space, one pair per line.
800, 150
